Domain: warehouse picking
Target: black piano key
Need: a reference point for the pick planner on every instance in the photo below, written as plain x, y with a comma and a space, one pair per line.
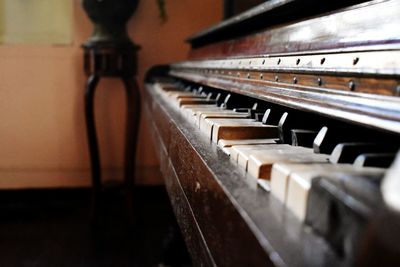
331, 135
253, 112
272, 117
219, 99
232, 101
302, 137
382, 160
326, 140
295, 120
259, 116
348, 152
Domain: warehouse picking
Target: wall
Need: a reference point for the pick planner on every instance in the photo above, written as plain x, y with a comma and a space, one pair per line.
42, 131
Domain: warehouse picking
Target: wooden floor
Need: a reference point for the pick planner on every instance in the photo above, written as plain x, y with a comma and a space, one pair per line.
52, 228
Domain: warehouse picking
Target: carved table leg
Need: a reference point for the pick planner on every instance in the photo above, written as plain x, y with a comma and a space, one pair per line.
131, 135
91, 85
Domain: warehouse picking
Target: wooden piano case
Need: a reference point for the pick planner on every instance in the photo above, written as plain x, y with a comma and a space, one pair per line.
342, 65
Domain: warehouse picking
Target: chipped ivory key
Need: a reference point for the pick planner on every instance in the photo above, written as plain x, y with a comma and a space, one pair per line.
259, 164
300, 185
240, 129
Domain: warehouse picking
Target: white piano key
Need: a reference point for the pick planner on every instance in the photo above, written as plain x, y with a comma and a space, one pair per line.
227, 144
190, 111
281, 171
224, 114
300, 185
260, 164
241, 129
264, 184
243, 150
207, 126
248, 142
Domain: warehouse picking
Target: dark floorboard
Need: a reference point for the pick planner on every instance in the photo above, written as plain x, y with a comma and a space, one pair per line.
52, 228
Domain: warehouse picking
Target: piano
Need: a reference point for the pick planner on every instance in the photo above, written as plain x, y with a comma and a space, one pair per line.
278, 136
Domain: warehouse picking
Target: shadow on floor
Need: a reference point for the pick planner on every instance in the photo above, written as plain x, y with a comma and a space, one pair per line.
52, 228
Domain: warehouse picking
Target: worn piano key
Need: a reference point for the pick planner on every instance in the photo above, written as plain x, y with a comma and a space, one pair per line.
203, 116
280, 176
300, 184
381, 160
236, 113
206, 125
240, 129
260, 164
340, 205
195, 107
243, 149
243, 153
192, 101
188, 96
281, 171
163, 88
166, 86
244, 156
177, 94
229, 143
190, 111
348, 152
226, 145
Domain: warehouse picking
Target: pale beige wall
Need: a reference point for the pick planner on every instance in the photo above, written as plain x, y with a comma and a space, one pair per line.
42, 131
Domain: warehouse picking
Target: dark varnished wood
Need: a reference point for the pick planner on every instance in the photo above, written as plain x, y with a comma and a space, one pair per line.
117, 61
371, 85
341, 65
267, 14
92, 137
241, 225
325, 32
190, 230
364, 109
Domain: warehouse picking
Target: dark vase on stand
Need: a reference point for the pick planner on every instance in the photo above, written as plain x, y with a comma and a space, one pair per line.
109, 18
109, 52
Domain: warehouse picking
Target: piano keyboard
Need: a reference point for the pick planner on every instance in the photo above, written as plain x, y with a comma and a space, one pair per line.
279, 147
291, 169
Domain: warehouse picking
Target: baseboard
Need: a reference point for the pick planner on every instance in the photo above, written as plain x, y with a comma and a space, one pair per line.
50, 179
